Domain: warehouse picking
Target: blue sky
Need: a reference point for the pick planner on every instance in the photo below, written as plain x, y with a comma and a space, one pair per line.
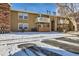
35, 7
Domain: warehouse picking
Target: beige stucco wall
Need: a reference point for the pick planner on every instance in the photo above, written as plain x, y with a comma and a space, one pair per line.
31, 21
15, 20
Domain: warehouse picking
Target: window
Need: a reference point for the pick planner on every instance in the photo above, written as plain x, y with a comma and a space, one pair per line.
23, 16
20, 16
23, 26
20, 26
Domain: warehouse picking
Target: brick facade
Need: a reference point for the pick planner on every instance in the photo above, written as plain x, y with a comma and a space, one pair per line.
4, 17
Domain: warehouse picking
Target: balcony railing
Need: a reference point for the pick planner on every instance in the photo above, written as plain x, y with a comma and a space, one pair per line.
43, 19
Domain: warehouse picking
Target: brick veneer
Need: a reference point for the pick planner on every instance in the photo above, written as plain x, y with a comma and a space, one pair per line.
4, 17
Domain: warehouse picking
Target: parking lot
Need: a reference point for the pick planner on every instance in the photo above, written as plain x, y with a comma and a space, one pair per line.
64, 44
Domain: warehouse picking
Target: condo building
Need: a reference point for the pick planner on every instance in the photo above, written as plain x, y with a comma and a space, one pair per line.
22, 21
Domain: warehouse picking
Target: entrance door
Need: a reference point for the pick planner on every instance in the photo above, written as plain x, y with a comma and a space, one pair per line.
52, 25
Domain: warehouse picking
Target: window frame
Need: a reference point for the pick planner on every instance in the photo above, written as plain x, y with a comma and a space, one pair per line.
23, 16
20, 16
23, 25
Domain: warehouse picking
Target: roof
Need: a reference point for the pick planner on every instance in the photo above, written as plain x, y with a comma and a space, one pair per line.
35, 13
28, 11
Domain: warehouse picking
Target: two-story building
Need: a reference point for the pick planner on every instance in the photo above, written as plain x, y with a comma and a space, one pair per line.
41, 22
15, 20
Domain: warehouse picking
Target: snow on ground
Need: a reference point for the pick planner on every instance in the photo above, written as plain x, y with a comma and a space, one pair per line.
27, 35
74, 33
21, 35
73, 38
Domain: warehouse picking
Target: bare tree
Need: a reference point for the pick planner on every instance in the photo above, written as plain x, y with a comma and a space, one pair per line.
68, 10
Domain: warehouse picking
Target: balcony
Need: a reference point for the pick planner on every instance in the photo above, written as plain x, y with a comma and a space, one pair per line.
43, 19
